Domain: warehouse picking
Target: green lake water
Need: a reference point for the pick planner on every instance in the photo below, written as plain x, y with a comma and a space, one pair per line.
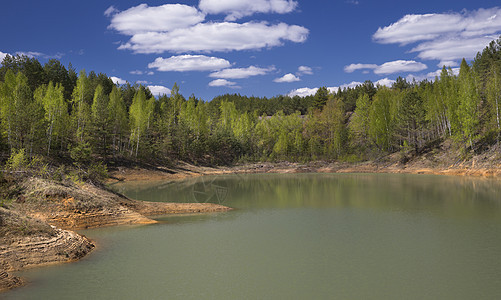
296, 236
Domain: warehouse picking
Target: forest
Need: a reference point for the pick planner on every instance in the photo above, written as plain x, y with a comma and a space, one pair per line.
52, 114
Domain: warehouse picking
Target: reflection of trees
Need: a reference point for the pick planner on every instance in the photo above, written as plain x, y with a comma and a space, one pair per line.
442, 195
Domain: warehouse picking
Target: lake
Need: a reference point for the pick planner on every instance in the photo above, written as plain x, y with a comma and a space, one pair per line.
296, 236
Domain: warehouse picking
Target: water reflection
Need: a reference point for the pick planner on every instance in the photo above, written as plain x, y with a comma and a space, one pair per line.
297, 236
441, 195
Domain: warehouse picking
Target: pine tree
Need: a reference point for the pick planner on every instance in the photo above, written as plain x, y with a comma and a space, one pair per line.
411, 119
321, 97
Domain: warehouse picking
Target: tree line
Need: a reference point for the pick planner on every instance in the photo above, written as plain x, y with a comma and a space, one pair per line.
53, 112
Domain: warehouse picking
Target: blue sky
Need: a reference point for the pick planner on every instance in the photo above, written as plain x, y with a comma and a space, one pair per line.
251, 47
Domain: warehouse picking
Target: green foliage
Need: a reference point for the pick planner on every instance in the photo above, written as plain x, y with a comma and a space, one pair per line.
17, 160
97, 172
53, 112
411, 120
321, 97
468, 104
381, 119
80, 153
39, 167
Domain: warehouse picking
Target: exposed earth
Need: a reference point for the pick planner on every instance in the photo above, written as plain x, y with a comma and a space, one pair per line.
36, 228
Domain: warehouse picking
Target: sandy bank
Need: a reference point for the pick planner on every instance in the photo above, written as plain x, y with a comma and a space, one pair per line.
36, 228
188, 171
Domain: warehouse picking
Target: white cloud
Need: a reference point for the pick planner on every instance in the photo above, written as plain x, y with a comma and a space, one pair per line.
158, 90
385, 82
413, 28
235, 9
239, 73
117, 80
142, 82
305, 70
287, 78
208, 37
110, 11
2, 56
445, 37
143, 19
303, 92
344, 86
30, 54
136, 72
448, 63
222, 82
400, 66
33, 54
429, 76
353, 67
184, 63
150, 73
448, 49
388, 67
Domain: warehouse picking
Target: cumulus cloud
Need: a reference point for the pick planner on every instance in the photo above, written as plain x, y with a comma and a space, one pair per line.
184, 63
235, 9
118, 80
142, 82
390, 67
305, 70
110, 11
303, 92
239, 73
344, 86
447, 50
385, 82
353, 67
158, 90
400, 66
430, 76
208, 37
445, 37
136, 72
143, 19
3, 55
287, 78
448, 63
222, 82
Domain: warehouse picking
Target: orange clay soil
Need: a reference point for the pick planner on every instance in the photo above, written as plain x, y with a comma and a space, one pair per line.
35, 229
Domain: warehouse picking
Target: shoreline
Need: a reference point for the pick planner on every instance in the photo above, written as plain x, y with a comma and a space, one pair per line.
189, 171
39, 227
68, 208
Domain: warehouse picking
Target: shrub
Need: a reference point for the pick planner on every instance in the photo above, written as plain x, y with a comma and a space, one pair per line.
17, 160
97, 172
